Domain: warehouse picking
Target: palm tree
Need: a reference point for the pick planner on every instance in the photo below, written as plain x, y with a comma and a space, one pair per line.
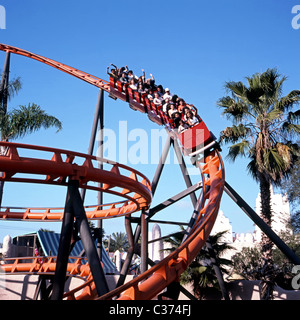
263, 130
175, 240
21, 121
25, 120
119, 242
202, 271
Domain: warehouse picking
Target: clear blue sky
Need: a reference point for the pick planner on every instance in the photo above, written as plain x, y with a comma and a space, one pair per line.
192, 47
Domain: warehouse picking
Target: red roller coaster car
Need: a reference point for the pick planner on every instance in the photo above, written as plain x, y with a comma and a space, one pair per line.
193, 140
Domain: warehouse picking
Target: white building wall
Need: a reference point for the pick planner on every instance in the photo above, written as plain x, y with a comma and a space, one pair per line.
281, 215
223, 224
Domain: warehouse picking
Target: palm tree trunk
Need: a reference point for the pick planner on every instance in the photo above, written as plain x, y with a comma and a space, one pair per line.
267, 283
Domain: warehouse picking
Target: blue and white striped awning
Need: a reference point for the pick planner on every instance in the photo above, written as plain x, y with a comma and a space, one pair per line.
50, 242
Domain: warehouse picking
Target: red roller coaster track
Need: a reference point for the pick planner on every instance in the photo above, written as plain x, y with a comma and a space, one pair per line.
119, 180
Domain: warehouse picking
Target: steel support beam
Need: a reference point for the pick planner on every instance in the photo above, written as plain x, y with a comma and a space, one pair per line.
187, 293
4, 83
138, 229
168, 222
87, 239
97, 115
144, 241
145, 214
174, 234
130, 252
174, 199
98, 126
196, 202
161, 164
100, 105
288, 252
193, 219
197, 206
3, 105
43, 289
184, 171
63, 251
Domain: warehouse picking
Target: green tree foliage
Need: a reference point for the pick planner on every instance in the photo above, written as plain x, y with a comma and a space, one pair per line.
25, 120
118, 241
249, 264
200, 272
291, 186
265, 128
21, 121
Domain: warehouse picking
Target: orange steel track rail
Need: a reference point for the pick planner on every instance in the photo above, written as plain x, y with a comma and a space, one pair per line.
55, 171
120, 180
153, 281
60, 66
42, 265
150, 283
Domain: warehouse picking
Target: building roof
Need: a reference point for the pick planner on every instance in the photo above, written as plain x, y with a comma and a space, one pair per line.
50, 242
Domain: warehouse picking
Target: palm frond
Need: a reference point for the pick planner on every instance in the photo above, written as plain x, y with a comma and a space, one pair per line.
28, 119
254, 95
277, 162
234, 133
236, 88
14, 87
293, 116
272, 160
225, 102
290, 128
254, 81
273, 115
238, 149
271, 82
234, 110
287, 102
252, 168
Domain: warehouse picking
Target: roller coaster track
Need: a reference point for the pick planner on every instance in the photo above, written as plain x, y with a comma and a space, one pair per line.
58, 167
118, 180
60, 66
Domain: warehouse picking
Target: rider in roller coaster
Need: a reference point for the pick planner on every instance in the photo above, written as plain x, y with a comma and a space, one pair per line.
176, 109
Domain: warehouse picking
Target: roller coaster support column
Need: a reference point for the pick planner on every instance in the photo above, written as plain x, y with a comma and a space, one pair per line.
4, 83
137, 233
184, 171
197, 206
130, 252
100, 155
145, 214
144, 242
3, 103
63, 251
98, 124
289, 253
98, 115
161, 164
87, 239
